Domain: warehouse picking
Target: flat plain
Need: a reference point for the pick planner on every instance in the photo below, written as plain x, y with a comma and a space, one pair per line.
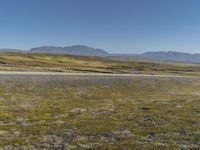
98, 112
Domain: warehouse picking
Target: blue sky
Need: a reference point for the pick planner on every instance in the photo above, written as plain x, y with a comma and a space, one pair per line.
120, 26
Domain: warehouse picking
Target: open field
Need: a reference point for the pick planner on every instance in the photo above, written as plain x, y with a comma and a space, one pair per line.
99, 112
10, 61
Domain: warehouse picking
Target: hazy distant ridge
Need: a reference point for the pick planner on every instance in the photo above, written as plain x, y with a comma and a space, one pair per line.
174, 56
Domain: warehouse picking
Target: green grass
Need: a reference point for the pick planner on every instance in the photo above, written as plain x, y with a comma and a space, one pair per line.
99, 112
10, 61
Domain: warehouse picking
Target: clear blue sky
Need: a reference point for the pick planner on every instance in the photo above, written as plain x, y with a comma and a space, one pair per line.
121, 26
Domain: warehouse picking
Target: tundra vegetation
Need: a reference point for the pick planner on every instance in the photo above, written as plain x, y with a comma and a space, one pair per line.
90, 112
13, 61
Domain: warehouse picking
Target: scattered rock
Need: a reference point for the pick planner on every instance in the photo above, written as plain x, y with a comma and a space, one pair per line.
77, 110
149, 138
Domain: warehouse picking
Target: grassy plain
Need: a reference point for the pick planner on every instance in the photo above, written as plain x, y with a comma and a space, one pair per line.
10, 61
51, 112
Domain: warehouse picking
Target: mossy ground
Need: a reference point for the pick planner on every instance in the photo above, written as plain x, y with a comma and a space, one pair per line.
99, 112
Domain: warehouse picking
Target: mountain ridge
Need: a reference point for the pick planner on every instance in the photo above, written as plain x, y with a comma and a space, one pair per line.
90, 51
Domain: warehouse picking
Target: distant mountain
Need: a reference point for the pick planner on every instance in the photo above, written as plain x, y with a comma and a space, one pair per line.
74, 50
173, 56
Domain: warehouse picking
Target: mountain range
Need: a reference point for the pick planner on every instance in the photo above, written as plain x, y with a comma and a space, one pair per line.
90, 51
